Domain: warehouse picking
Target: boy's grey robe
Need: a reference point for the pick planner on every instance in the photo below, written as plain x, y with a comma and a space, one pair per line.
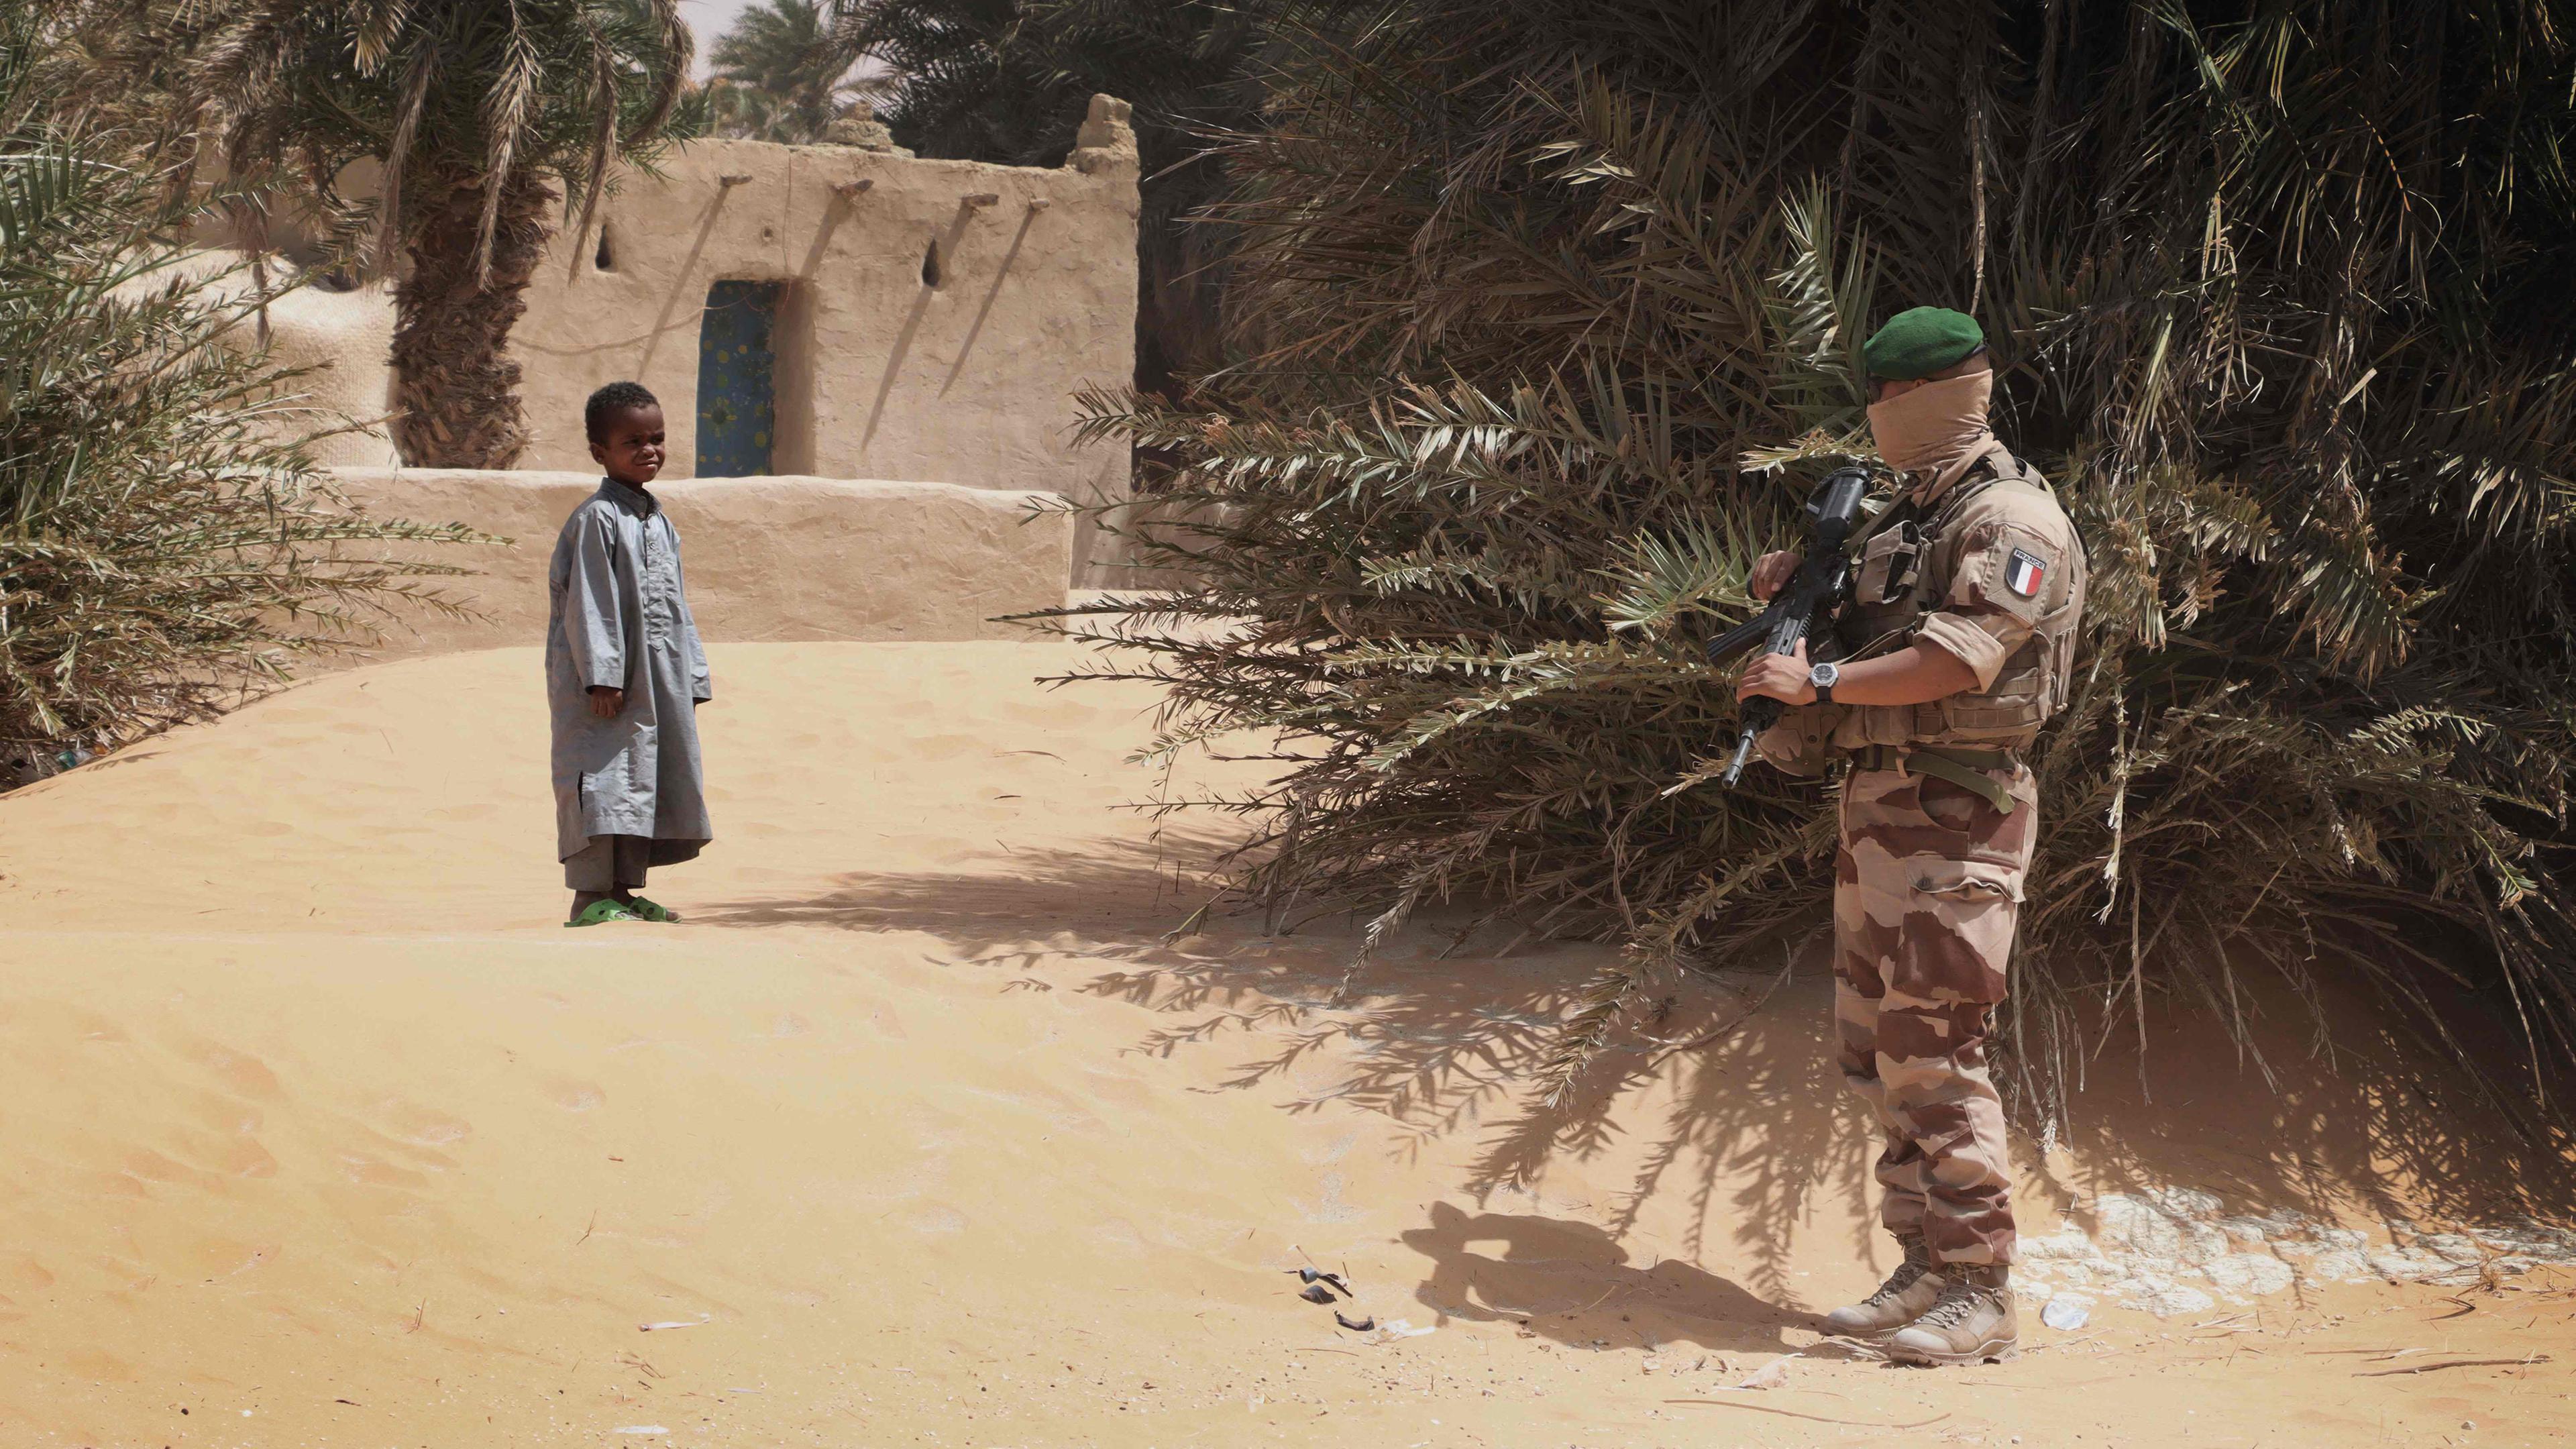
620, 617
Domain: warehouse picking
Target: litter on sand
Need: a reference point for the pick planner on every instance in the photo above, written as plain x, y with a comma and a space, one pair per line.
1317, 1293
643, 1429
674, 1323
1364, 1325
1318, 1275
1401, 1329
1771, 1375
2066, 1313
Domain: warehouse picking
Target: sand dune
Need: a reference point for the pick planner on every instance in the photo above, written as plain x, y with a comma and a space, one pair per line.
322, 1131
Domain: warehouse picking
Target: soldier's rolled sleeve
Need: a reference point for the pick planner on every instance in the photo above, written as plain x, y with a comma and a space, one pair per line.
1982, 649
1984, 618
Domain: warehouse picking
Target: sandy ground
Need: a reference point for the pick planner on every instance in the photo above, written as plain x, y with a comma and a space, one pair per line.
321, 1130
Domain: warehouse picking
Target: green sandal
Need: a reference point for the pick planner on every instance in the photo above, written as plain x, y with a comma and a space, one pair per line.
644, 910
601, 911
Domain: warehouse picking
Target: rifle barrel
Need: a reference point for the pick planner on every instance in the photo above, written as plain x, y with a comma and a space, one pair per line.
1743, 752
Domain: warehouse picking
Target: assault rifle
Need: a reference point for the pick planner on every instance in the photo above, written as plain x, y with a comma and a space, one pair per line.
1822, 582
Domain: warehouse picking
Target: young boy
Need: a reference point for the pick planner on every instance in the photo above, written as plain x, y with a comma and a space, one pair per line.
624, 674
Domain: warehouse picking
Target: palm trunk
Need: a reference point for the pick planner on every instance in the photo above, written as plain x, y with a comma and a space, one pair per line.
458, 392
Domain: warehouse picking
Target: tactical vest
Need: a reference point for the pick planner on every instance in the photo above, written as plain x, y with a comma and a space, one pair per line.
1897, 579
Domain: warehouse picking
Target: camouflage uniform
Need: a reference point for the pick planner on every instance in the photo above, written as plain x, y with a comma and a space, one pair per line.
1928, 879
1927, 886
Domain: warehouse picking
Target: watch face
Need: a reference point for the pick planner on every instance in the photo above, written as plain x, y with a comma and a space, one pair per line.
1825, 675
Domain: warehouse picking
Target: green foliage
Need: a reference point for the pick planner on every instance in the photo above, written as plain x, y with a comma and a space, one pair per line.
1549, 315
427, 138
440, 92
1007, 80
165, 538
781, 74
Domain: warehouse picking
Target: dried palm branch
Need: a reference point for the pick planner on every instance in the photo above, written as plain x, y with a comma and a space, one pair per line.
1543, 311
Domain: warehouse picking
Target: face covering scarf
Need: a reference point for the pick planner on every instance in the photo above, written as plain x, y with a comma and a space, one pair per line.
1934, 432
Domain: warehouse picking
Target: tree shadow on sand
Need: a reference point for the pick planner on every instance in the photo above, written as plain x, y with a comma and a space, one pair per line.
1441, 1042
1732, 1113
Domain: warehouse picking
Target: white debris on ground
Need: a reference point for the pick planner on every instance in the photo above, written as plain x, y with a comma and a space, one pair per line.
2178, 1250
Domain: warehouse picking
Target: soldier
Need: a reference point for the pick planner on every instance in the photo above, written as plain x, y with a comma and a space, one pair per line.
1954, 649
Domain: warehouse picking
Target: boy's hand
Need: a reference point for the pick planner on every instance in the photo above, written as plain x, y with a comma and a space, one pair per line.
606, 702
1771, 573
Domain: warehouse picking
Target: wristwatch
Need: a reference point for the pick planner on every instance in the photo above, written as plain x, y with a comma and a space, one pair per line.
1823, 678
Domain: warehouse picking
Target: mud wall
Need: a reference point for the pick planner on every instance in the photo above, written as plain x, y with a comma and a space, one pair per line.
767, 559
337, 342
343, 338
937, 317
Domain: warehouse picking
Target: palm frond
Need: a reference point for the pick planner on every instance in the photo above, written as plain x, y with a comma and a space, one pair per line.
1540, 315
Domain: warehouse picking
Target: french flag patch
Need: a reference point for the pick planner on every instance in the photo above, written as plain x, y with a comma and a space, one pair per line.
2022, 574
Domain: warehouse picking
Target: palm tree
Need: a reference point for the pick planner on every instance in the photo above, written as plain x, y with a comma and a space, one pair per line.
1547, 306
780, 75
477, 114
166, 538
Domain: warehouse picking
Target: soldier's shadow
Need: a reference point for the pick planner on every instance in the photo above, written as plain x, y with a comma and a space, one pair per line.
1732, 1141
1574, 1283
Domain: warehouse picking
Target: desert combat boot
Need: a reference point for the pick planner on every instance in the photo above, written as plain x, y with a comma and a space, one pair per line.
1908, 1294
1974, 1319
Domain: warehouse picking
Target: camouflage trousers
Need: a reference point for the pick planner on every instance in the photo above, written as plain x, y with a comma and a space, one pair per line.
1927, 891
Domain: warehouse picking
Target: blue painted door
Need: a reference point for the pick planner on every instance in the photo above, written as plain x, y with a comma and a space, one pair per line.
737, 364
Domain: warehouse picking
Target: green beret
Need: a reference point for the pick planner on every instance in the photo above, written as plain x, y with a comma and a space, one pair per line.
1919, 342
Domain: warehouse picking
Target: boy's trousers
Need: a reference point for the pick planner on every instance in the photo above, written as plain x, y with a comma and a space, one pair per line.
607, 863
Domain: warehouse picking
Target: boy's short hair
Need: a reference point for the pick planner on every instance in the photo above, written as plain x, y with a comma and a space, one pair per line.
617, 397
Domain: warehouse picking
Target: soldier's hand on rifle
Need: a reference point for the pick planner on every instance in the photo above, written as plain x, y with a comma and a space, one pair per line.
1780, 676
1771, 573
